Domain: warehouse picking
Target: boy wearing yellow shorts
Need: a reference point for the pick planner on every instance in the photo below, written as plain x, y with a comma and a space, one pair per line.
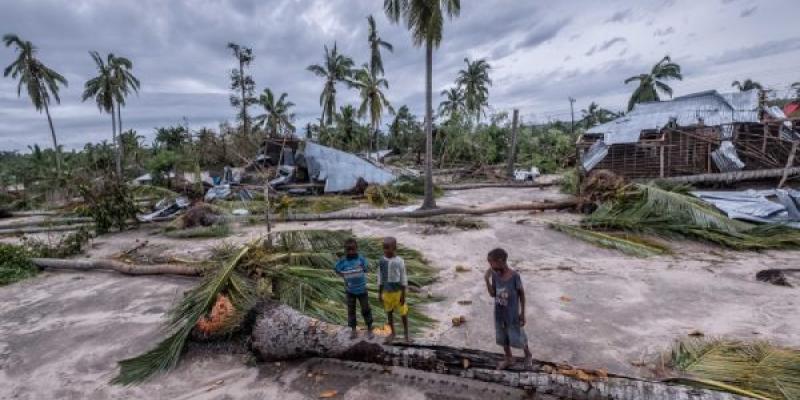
392, 283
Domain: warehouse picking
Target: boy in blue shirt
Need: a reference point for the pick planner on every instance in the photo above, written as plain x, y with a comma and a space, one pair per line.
353, 268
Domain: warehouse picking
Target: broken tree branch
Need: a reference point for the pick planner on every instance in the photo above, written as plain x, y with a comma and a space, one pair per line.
114, 265
467, 186
536, 206
282, 333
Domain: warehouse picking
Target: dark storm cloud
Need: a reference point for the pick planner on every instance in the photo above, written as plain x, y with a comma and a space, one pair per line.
664, 32
620, 16
761, 50
605, 45
179, 52
748, 11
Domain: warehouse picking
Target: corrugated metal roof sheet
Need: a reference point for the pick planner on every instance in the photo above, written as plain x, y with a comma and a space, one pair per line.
712, 107
340, 170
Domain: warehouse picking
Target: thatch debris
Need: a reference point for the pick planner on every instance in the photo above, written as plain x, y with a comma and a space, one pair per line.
755, 369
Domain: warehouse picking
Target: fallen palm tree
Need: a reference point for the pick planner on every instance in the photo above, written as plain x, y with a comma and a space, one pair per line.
533, 206
282, 333
46, 222
482, 185
671, 213
114, 265
42, 229
294, 267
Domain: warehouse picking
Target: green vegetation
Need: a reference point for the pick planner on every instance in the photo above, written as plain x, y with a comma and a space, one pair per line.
385, 196
753, 369
15, 264
109, 203
293, 267
67, 245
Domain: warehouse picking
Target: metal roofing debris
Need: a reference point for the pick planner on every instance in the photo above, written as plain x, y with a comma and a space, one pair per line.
726, 158
710, 106
341, 170
594, 155
754, 205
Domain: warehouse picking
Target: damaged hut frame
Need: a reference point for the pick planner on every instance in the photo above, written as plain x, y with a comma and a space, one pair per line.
701, 133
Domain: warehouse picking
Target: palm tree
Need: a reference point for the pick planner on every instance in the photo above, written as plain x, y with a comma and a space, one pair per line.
373, 100
127, 82
106, 90
337, 68
748, 84
475, 82
375, 45
40, 81
243, 83
650, 84
595, 115
277, 117
348, 130
425, 20
453, 104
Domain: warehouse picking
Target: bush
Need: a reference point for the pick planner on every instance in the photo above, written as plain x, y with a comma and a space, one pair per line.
109, 203
15, 264
569, 182
69, 245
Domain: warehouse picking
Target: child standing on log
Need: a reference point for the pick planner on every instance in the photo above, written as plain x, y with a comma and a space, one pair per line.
353, 268
392, 284
505, 285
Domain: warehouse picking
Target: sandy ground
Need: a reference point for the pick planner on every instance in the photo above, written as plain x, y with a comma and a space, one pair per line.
61, 333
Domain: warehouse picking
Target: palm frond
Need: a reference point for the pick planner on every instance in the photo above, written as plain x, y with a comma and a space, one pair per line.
630, 246
184, 317
755, 369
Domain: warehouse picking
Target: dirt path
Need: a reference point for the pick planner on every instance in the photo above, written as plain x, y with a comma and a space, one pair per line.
61, 333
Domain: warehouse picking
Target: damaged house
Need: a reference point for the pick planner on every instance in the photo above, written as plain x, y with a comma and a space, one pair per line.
307, 166
700, 133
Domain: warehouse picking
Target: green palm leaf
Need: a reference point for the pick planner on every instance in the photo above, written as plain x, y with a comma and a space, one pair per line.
630, 246
184, 317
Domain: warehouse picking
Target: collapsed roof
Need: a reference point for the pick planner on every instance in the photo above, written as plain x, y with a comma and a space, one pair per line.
710, 107
341, 170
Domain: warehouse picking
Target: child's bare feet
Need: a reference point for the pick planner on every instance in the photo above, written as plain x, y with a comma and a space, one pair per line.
408, 340
370, 335
528, 362
389, 339
504, 364
353, 334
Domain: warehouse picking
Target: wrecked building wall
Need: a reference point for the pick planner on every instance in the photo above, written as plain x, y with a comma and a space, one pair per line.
689, 151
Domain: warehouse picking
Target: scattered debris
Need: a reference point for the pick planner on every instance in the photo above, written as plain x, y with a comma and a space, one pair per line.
522, 175
461, 268
464, 302
458, 321
780, 277
165, 209
565, 299
327, 394
756, 205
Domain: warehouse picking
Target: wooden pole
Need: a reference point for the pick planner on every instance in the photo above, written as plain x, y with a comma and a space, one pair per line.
661, 161
512, 152
114, 265
789, 163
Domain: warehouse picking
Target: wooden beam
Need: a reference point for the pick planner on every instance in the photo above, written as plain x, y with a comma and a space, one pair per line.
789, 163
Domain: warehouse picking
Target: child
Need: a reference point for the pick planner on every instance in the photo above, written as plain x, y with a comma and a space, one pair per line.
392, 283
505, 285
353, 268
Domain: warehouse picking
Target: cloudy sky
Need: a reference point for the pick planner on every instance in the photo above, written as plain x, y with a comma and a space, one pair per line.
541, 52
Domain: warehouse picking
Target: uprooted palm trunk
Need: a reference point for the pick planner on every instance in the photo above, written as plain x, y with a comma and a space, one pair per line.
113, 265
282, 333
533, 206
